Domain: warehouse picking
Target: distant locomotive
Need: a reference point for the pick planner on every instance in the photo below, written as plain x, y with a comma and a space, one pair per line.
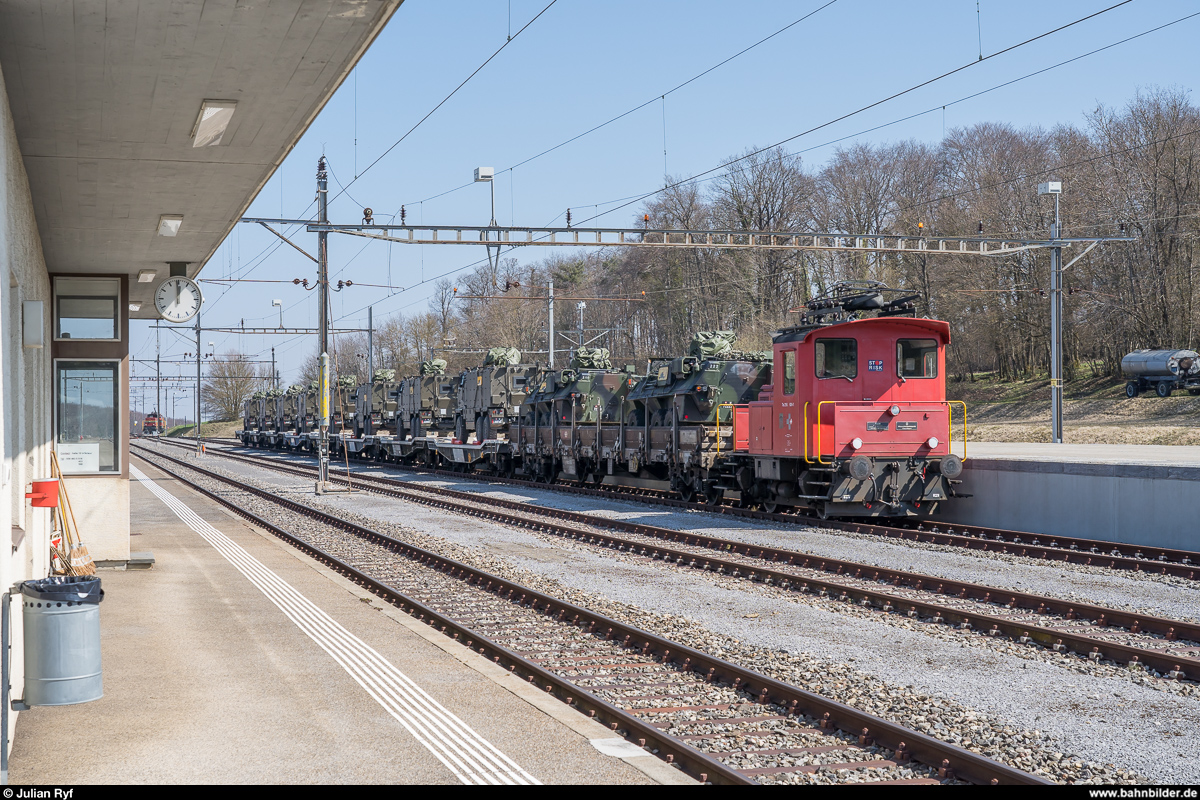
153, 424
845, 416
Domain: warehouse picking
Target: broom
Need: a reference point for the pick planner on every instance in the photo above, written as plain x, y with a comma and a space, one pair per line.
79, 559
58, 559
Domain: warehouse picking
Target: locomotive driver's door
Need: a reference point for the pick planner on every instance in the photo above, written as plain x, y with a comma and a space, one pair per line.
789, 417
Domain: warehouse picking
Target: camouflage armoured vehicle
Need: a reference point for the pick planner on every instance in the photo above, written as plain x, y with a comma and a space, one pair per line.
574, 422
341, 405
270, 409
375, 406
310, 410
252, 412
672, 429
490, 396
289, 409
427, 402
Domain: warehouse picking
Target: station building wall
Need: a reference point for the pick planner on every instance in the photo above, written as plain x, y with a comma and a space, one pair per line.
26, 390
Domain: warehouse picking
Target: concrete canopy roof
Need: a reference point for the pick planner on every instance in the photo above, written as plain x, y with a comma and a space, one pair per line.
105, 98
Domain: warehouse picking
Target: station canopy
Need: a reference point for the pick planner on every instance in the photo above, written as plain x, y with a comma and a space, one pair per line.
137, 120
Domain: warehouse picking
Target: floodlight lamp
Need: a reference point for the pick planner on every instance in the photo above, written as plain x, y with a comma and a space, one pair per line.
484, 174
1050, 187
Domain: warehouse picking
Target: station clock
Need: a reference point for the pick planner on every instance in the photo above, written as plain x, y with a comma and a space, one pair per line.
178, 299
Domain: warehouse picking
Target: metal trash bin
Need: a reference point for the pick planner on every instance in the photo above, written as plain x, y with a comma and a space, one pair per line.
62, 640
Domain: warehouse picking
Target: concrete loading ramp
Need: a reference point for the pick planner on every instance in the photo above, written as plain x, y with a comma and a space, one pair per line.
1139, 494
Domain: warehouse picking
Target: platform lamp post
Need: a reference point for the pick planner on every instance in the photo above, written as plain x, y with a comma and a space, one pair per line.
1056, 309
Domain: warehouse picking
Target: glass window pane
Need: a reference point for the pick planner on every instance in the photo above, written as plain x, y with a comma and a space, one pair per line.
86, 308
789, 371
86, 427
916, 358
837, 358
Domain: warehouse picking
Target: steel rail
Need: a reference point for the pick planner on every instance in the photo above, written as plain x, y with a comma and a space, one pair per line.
773, 571
951, 761
1067, 549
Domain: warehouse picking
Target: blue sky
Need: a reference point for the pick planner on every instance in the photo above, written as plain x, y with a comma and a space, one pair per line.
582, 63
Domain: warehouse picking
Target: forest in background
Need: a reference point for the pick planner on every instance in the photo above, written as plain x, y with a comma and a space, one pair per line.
1135, 166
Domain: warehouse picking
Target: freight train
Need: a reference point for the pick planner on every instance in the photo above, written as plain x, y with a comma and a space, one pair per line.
845, 416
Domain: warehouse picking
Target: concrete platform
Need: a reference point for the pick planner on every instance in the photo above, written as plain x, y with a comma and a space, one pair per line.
1137, 494
209, 680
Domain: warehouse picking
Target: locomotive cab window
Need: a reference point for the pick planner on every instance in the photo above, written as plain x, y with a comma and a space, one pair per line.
916, 358
789, 371
837, 358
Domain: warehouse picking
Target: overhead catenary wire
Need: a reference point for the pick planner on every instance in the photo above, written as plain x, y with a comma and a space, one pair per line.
446, 99
797, 153
869, 106
658, 97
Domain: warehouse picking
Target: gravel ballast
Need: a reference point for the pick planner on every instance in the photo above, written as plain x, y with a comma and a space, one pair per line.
990, 699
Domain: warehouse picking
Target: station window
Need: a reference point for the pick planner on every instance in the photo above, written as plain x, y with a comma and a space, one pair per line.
837, 358
789, 371
86, 308
916, 358
86, 420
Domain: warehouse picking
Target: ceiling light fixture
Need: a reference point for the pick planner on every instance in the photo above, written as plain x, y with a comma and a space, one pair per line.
146, 275
212, 121
168, 224
135, 306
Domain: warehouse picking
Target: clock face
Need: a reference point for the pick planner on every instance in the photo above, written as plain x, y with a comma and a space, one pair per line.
178, 299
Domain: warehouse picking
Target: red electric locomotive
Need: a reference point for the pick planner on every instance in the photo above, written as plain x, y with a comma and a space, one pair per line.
855, 421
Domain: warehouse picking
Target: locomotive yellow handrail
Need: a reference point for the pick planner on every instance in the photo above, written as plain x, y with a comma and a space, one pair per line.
807, 460
818, 453
950, 426
732, 422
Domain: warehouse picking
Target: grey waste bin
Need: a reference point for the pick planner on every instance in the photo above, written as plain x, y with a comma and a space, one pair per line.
62, 640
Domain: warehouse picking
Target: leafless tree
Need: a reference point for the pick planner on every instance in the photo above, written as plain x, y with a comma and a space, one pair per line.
230, 380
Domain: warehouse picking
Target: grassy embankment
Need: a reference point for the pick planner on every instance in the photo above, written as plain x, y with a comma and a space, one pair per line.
1095, 411
222, 429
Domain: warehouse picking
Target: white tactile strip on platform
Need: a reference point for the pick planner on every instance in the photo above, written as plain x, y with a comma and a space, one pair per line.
471, 758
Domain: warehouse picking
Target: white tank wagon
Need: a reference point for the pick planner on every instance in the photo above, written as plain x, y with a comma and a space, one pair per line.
1162, 370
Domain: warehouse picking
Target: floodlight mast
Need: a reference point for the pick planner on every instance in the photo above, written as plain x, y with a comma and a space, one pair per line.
1056, 310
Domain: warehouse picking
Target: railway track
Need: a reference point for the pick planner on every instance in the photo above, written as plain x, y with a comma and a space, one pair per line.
1141, 641
1066, 549
716, 720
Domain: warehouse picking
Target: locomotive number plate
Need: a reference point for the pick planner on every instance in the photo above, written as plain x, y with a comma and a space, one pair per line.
878, 426
906, 426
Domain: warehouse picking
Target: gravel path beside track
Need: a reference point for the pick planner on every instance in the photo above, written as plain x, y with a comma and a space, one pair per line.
1176, 598
1037, 713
